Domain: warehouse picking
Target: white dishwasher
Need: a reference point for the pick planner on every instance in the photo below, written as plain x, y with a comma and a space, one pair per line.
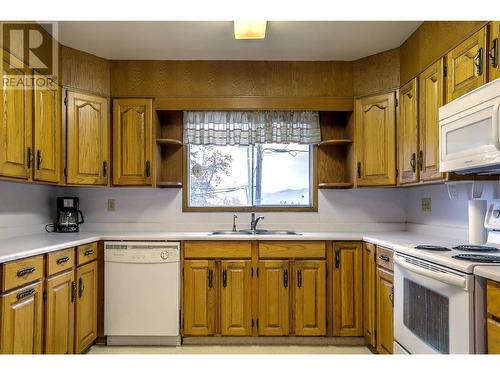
142, 293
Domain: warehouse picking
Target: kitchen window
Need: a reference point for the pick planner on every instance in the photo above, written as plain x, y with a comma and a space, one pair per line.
250, 160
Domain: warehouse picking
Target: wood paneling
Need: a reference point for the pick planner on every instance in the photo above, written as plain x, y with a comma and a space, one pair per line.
494, 51
217, 249
431, 41
385, 311
291, 249
21, 272
83, 71
310, 298
183, 79
408, 133
369, 306
88, 155
86, 306
376, 73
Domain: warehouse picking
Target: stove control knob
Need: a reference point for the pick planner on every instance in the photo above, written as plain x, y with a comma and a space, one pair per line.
496, 213
164, 255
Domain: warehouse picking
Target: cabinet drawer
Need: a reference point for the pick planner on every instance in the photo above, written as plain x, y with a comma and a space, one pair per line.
86, 253
384, 258
493, 328
217, 249
59, 261
493, 298
21, 272
292, 249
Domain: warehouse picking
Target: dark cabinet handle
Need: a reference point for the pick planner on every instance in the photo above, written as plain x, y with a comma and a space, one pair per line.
29, 157
25, 271
494, 53
148, 168
385, 258
210, 279
299, 278
421, 160
413, 162
285, 278
88, 252
337, 259
39, 159
391, 296
81, 287
104, 168
224, 278
25, 293
73, 291
62, 260
359, 169
478, 62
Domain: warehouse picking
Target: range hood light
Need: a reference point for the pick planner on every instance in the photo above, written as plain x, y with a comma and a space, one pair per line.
250, 29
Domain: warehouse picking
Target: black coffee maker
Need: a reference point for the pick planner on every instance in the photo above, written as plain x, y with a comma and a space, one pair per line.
69, 217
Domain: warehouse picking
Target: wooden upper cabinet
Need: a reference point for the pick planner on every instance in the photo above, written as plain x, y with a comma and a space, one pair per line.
408, 133
236, 298
274, 297
376, 140
47, 130
60, 313
494, 53
310, 298
86, 306
87, 139
132, 141
15, 119
466, 65
369, 270
21, 320
347, 284
199, 297
385, 311
431, 97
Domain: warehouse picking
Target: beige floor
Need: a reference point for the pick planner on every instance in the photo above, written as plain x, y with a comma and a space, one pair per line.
215, 349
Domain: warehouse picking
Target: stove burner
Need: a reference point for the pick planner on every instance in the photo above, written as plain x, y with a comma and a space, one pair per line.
478, 258
432, 248
485, 249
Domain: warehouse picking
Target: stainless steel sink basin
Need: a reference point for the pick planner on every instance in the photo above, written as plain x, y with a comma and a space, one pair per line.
257, 232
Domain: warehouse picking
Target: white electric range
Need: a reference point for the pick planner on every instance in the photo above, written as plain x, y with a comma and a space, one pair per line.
439, 305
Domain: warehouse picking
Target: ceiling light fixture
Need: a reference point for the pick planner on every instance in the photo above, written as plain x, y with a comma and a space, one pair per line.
250, 29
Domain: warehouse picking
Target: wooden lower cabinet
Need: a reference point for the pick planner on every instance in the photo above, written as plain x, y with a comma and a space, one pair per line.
310, 298
369, 305
86, 306
347, 289
236, 298
274, 297
21, 320
493, 316
60, 313
385, 314
199, 298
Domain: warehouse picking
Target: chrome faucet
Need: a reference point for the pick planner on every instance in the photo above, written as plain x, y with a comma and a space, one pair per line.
234, 222
255, 221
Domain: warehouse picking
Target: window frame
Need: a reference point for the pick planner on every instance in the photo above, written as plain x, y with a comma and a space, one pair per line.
314, 192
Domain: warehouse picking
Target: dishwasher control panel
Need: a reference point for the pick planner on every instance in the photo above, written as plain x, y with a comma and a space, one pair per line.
141, 252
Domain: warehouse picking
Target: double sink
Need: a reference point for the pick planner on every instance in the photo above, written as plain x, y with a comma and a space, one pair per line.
256, 232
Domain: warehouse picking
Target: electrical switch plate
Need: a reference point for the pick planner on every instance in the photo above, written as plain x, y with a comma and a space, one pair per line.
426, 204
111, 205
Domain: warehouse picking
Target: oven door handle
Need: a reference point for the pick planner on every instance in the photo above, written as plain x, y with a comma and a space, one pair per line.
446, 278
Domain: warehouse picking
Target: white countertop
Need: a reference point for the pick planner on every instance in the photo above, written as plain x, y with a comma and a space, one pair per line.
30, 245
489, 272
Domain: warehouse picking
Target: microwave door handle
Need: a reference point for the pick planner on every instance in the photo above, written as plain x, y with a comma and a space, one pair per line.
496, 125
446, 278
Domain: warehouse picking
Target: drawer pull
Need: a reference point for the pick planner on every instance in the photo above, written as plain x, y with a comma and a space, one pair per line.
62, 260
81, 287
299, 279
25, 271
210, 279
88, 252
25, 293
285, 278
224, 278
73, 291
385, 258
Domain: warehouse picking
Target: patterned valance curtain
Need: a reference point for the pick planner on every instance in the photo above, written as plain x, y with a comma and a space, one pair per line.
251, 127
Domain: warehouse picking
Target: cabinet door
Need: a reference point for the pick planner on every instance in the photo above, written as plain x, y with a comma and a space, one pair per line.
274, 298
431, 97
47, 130
347, 285
466, 66
236, 298
86, 306
310, 298
369, 271
494, 55
15, 119
408, 133
21, 321
60, 313
385, 311
132, 141
87, 139
376, 140
199, 297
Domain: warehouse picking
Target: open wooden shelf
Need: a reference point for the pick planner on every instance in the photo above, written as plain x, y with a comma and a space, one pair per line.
334, 142
169, 141
169, 184
335, 185
169, 149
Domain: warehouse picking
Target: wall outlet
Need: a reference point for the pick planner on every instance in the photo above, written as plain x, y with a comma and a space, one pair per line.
111, 205
426, 204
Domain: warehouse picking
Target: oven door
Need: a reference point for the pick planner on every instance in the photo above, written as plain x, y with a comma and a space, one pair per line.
432, 308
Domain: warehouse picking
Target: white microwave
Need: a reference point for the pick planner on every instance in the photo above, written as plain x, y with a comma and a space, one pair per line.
469, 132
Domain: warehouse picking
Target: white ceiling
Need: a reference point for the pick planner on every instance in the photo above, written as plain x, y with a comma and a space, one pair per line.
214, 40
